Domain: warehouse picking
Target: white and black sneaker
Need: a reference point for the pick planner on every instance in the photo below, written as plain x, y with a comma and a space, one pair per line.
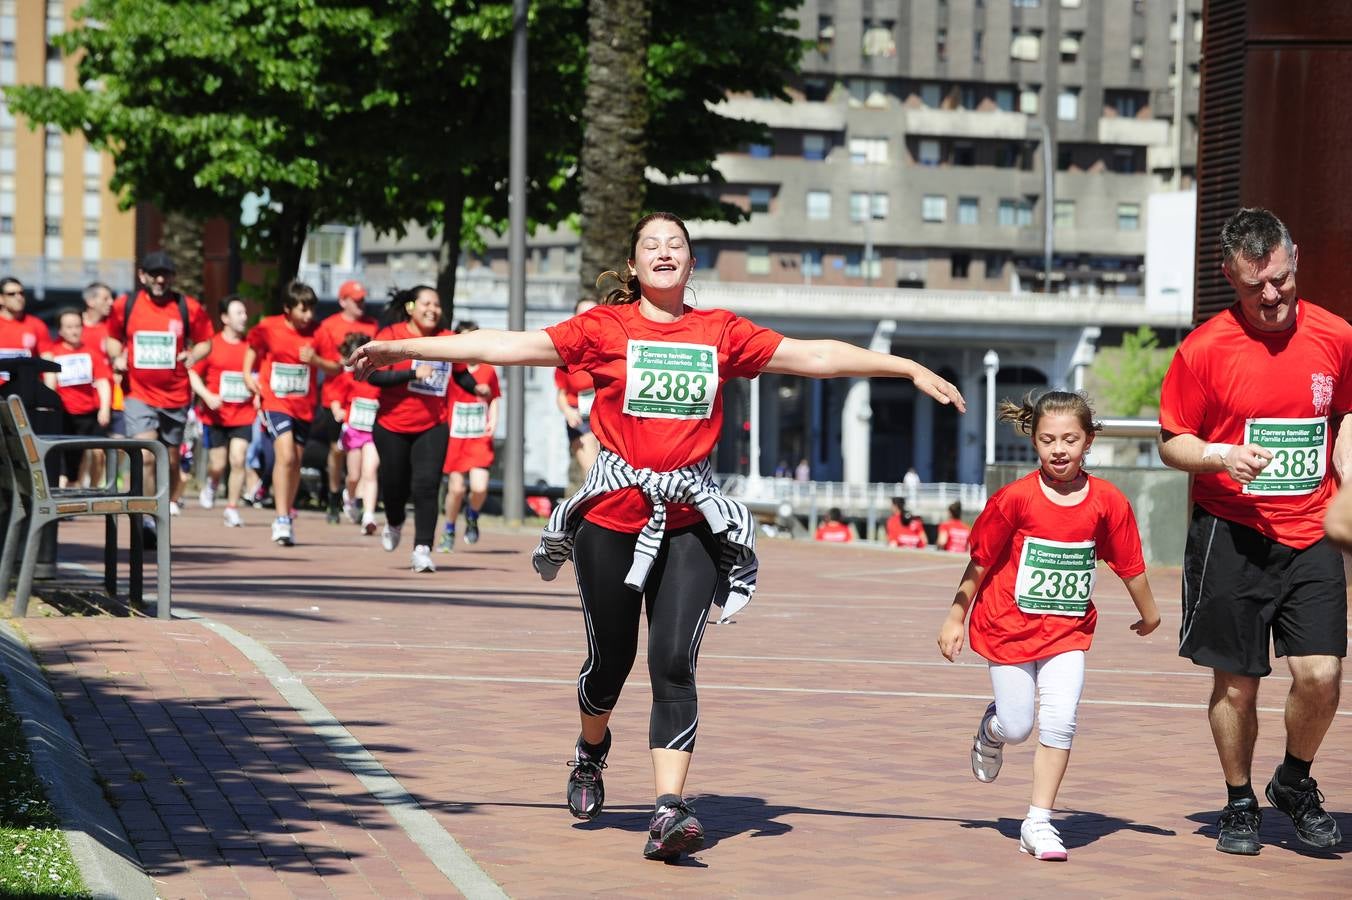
421, 559
987, 754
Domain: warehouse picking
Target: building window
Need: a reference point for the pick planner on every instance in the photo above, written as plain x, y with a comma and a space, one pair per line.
51, 226
1126, 103
867, 91
757, 259
816, 90
759, 151
1026, 46
929, 153
941, 44
995, 265
964, 154
1068, 104
934, 208
1008, 156
959, 264
1137, 54
878, 205
858, 207
969, 97
1128, 216
1015, 213
1004, 99
1064, 214
53, 196
1026, 4
1028, 101
1065, 158
826, 35
56, 69
969, 211
1070, 46
857, 267
1070, 4
1124, 161
878, 40
868, 150
760, 199
819, 205
814, 146
812, 263
930, 95
978, 38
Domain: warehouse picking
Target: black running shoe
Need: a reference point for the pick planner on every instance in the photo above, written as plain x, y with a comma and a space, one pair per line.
673, 830
472, 530
1239, 827
586, 791
1303, 804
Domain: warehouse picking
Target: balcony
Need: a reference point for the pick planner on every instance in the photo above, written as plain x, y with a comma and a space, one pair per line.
777, 114
1133, 132
41, 274
966, 123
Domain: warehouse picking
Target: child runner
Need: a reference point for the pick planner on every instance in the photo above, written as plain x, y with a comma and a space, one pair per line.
351, 318
650, 528
84, 385
226, 408
1035, 549
354, 404
953, 532
904, 529
410, 431
834, 530
575, 396
473, 419
282, 349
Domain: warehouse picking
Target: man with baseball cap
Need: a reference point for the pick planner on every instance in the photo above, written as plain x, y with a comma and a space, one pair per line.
154, 336
351, 317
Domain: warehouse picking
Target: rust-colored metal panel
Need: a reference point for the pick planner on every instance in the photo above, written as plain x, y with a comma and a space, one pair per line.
1219, 146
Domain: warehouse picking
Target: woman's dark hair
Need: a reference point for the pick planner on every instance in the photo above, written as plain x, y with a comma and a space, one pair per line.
224, 306
1025, 416
400, 307
465, 326
628, 291
955, 510
834, 514
298, 293
350, 343
69, 311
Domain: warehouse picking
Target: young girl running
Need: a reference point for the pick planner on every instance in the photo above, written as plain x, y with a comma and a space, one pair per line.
473, 417
1035, 548
650, 528
353, 404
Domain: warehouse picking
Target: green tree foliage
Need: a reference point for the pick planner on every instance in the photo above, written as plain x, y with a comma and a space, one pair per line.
1132, 374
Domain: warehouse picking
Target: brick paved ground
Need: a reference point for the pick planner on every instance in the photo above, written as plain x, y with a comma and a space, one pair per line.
832, 757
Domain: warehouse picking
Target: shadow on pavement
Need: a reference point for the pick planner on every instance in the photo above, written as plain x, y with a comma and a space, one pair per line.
1078, 829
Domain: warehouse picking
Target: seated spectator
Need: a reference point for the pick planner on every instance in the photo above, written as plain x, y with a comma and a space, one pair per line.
834, 530
954, 532
904, 529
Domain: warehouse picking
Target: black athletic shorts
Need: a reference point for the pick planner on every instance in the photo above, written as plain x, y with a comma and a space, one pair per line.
1242, 590
326, 428
222, 435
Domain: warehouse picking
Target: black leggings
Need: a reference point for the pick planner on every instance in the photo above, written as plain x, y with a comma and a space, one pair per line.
411, 464
677, 597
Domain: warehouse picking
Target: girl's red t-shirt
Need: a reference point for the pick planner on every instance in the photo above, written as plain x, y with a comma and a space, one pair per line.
572, 383
222, 371
659, 398
1007, 629
413, 406
287, 385
80, 367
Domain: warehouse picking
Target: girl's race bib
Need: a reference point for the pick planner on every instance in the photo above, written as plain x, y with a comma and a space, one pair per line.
361, 415
469, 420
76, 369
1055, 577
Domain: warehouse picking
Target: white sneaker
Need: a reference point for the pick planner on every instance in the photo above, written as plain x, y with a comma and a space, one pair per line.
207, 499
389, 537
987, 755
232, 519
1042, 841
282, 532
350, 510
422, 559
174, 508
368, 524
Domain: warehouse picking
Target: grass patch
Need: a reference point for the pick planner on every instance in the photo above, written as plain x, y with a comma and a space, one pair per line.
35, 860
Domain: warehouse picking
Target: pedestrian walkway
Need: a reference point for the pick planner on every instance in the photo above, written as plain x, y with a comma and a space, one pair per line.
326, 723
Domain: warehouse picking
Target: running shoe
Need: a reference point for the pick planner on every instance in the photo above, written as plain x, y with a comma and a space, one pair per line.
1041, 839
472, 530
421, 559
368, 524
1304, 804
282, 532
987, 755
1238, 826
389, 537
673, 830
333, 517
586, 790
175, 509
447, 542
232, 519
350, 510
207, 498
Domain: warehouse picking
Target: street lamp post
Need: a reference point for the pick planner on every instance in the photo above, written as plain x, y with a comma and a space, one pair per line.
513, 464
992, 363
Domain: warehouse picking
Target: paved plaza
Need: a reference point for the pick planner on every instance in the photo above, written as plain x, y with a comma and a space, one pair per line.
321, 722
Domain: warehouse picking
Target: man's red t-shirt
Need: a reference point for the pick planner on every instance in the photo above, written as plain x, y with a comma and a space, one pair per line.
96, 337
414, 406
1226, 374
673, 398
153, 340
17, 339
286, 384
1005, 629
222, 371
911, 536
329, 337
81, 366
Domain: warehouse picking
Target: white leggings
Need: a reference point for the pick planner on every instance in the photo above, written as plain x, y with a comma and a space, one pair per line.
1055, 682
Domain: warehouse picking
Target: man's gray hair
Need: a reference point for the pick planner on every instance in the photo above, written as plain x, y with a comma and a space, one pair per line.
93, 288
1253, 232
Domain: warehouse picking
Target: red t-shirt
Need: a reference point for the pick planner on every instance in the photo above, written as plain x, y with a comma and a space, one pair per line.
80, 367
286, 384
572, 383
329, 337
835, 533
675, 401
958, 535
19, 339
1102, 526
154, 339
222, 371
345, 390
911, 536
414, 406
1226, 373
96, 336
467, 413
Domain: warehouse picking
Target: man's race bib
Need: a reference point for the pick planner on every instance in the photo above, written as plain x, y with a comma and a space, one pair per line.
1299, 455
361, 415
1055, 577
76, 369
289, 379
469, 420
433, 385
585, 399
670, 381
233, 388
154, 350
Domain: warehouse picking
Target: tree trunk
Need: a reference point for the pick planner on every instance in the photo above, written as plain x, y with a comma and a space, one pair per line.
182, 240
614, 154
293, 228
449, 258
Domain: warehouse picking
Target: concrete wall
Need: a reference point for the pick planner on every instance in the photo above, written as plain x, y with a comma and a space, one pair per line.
1159, 497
